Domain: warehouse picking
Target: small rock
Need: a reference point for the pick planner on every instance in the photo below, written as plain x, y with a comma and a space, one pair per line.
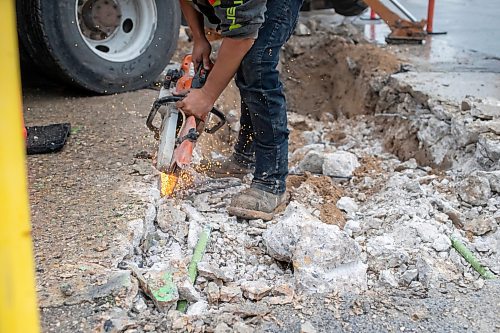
307, 327
474, 190
426, 231
481, 225
213, 273
240, 327
213, 292
187, 291
255, 290
466, 105
149, 328
425, 271
312, 162
230, 294
493, 178
387, 278
140, 305
409, 275
340, 164
347, 204
302, 30
478, 284
67, 289
283, 290
280, 300
441, 243
197, 309
410, 164
257, 224
222, 328
179, 320
169, 216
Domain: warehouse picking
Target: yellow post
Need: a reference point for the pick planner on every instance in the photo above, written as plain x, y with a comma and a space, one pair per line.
18, 308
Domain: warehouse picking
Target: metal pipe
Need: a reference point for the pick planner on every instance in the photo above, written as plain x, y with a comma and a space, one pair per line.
404, 10
430, 17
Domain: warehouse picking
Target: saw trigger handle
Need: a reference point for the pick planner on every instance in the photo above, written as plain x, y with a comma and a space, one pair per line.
220, 123
154, 110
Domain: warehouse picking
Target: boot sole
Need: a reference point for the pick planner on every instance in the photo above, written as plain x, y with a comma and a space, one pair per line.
249, 214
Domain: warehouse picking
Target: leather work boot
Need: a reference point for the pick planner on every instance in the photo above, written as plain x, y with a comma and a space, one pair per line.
228, 167
253, 203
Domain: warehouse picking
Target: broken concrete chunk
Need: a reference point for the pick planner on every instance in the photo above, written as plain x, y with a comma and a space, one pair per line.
197, 309
324, 258
387, 278
160, 287
481, 225
441, 243
213, 273
307, 327
426, 231
230, 294
410, 164
312, 162
187, 291
213, 292
474, 190
493, 178
117, 284
240, 327
283, 290
466, 105
281, 238
340, 164
169, 216
348, 205
222, 328
494, 126
409, 275
255, 290
488, 150
302, 30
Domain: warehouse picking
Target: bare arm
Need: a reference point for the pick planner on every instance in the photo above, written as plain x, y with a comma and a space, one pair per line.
201, 47
199, 102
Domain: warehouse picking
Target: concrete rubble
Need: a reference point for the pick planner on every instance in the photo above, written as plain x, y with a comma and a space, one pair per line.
390, 229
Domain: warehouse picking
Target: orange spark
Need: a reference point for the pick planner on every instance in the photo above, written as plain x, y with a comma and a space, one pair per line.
167, 183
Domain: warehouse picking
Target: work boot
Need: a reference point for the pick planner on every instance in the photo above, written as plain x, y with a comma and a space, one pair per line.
253, 203
228, 167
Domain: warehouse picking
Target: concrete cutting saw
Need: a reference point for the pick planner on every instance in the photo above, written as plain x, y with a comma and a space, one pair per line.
178, 133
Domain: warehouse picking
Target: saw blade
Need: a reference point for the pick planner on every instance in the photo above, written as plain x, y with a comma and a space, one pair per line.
167, 139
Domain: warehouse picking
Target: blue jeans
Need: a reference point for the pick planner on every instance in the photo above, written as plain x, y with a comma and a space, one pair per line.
263, 137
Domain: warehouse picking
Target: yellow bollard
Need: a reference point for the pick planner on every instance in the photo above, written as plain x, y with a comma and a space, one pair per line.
18, 308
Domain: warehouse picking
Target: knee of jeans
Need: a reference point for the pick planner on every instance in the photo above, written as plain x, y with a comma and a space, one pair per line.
250, 73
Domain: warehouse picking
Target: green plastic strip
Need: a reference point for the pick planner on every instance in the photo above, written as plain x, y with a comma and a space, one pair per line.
198, 253
471, 259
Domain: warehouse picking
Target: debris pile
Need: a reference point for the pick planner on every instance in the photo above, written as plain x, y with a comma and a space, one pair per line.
369, 208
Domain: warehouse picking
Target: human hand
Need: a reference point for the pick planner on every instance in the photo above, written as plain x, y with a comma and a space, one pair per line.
197, 103
201, 54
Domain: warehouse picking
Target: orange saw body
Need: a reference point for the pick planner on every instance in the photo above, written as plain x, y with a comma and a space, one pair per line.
178, 134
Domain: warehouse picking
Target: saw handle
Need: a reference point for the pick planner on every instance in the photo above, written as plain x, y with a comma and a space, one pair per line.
220, 123
154, 110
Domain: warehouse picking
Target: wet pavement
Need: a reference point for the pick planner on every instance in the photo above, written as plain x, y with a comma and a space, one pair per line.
470, 45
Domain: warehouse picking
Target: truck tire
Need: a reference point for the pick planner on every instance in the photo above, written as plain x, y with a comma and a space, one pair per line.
105, 46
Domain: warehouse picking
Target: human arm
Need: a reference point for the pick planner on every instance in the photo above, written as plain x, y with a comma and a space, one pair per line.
239, 26
199, 102
201, 47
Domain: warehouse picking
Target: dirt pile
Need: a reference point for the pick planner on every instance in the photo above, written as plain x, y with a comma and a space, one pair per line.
326, 73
